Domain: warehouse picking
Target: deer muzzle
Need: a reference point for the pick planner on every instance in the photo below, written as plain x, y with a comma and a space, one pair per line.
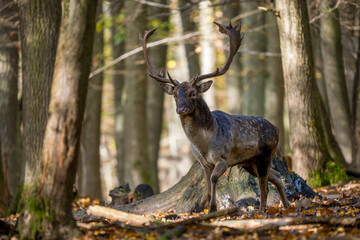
183, 110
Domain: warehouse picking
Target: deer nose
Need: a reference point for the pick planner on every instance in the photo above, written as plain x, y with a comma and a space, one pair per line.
181, 110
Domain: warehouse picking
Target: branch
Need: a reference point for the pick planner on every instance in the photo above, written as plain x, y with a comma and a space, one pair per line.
274, 223
327, 12
139, 49
154, 4
194, 220
116, 215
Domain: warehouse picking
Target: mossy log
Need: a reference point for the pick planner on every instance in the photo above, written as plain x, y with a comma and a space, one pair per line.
235, 187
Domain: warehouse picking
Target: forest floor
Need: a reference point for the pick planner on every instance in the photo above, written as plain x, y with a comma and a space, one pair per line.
335, 216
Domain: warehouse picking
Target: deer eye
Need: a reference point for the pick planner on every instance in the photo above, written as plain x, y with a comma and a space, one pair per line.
193, 95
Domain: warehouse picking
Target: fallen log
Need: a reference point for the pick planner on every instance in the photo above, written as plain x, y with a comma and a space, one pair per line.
116, 215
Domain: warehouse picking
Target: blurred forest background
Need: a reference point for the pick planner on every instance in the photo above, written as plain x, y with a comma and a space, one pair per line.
130, 130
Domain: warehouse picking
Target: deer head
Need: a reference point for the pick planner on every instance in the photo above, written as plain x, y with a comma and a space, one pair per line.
187, 93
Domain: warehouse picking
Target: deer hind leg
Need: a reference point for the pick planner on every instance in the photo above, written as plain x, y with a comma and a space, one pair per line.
275, 178
263, 167
218, 171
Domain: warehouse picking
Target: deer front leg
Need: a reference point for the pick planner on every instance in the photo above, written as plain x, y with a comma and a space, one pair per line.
218, 171
208, 172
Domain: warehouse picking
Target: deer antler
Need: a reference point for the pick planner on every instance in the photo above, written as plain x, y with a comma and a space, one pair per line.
158, 76
235, 41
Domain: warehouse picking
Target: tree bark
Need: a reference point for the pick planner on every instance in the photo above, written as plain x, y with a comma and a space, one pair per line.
356, 115
189, 25
10, 144
274, 90
89, 164
48, 213
331, 49
3, 197
118, 47
39, 32
253, 78
155, 100
233, 76
207, 57
135, 122
349, 15
307, 134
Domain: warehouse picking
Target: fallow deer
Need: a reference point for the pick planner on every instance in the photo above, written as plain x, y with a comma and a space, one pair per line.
220, 140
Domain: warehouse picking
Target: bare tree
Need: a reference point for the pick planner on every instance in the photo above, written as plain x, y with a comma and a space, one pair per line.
135, 122
274, 90
118, 47
155, 99
253, 78
10, 144
4, 197
335, 83
89, 164
356, 114
306, 111
349, 15
207, 57
47, 213
233, 77
39, 33
189, 25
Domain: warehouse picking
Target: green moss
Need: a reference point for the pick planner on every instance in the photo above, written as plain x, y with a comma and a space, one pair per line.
332, 173
37, 210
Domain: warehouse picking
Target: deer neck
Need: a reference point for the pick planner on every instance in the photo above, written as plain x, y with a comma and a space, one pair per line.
199, 125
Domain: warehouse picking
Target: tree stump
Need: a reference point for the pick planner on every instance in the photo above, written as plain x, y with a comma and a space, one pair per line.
235, 187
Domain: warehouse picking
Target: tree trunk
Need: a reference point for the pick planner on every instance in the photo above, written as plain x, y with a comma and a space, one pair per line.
318, 64
48, 213
189, 25
253, 65
331, 49
3, 197
307, 137
118, 47
349, 19
135, 123
233, 76
155, 99
89, 164
235, 187
10, 145
274, 91
208, 61
356, 115
39, 32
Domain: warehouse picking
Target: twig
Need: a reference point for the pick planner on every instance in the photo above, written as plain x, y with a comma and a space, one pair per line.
244, 15
268, 54
327, 12
139, 49
267, 224
202, 218
154, 4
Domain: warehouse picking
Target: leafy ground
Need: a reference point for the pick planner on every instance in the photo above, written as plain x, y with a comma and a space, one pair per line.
335, 216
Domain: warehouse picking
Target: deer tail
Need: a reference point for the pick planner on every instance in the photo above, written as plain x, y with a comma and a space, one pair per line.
279, 153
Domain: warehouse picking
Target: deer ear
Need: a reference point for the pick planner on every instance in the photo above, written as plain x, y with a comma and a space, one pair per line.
167, 88
203, 87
